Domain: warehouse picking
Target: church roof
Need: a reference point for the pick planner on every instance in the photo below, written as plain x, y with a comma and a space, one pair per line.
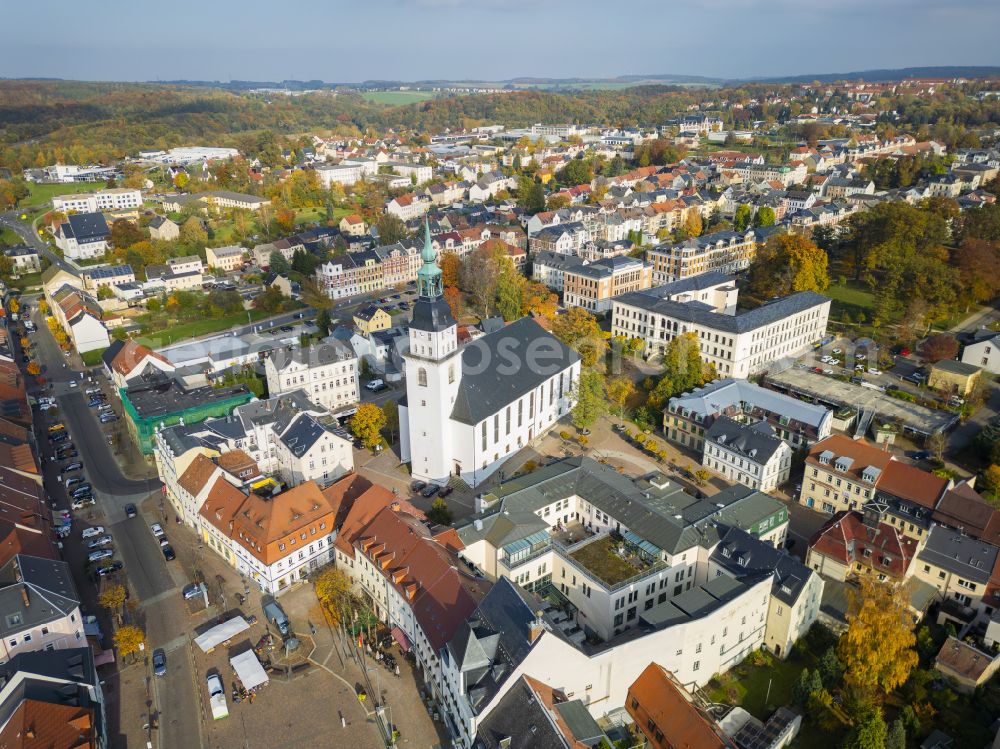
518, 358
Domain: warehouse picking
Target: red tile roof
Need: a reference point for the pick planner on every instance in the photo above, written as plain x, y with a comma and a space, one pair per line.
664, 703
963, 508
846, 538
912, 484
47, 725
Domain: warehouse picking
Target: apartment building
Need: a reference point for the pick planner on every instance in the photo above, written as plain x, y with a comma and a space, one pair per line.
274, 539
688, 416
352, 274
408, 207
106, 275
41, 606
327, 372
399, 263
966, 573
550, 268
564, 239
186, 264
568, 536
226, 259
738, 343
723, 252
416, 173
346, 173
83, 236
749, 454
115, 199
594, 286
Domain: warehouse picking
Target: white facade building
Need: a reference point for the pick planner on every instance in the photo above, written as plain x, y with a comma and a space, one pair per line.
117, 199
749, 454
327, 372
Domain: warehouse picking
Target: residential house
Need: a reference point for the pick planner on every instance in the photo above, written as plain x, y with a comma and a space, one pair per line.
723, 252
370, 319
163, 229
24, 258
353, 225
408, 207
983, 351
595, 285
41, 606
749, 454
667, 716
226, 259
326, 371
83, 236
965, 665
954, 377
113, 199
106, 275
127, 361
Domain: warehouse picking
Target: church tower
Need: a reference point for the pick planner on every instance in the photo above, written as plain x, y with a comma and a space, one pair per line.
433, 374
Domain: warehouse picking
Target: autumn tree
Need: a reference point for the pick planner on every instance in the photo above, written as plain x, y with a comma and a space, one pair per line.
991, 482
480, 276
333, 590
33, 369
43, 307
692, 224
181, 180
129, 640
193, 232
538, 299
877, 648
788, 263
579, 330
439, 512
313, 295
284, 217
978, 264
939, 347
588, 394
124, 233
455, 300
451, 266
112, 598
618, 390
367, 424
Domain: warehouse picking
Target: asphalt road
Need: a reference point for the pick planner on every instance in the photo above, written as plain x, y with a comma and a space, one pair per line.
153, 581
12, 220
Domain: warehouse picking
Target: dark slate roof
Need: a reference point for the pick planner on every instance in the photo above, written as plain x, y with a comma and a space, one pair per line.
684, 285
741, 322
367, 313
45, 584
520, 717
302, 434
111, 352
757, 441
742, 554
87, 227
521, 357
964, 556
431, 315
317, 355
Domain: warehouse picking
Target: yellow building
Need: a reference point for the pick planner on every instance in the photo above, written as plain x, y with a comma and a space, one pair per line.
372, 319
954, 376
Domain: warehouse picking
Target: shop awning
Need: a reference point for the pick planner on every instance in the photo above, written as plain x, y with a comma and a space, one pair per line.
248, 669
400, 637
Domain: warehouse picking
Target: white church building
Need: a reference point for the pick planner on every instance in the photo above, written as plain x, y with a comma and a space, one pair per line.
468, 409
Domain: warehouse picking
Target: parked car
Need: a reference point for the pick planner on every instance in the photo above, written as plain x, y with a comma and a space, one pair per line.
168, 553
192, 590
921, 455
375, 385
159, 662
96, 556
430, 490
105, 540
107, 569
67, 451
130, 510
157, 530
76, 465
417, 486
82, 489
445, 491
163, 541
874, 371
73, 481
79, 504
97, 530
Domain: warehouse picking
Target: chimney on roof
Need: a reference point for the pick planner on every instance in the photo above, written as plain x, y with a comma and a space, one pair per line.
536, 628
24, 596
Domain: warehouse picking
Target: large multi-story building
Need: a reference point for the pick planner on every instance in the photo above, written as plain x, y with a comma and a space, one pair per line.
83, 236
470, 408
327, 372
116, 199
723, 252
352, 274
738, 343
594, 286
688, 416
749, 454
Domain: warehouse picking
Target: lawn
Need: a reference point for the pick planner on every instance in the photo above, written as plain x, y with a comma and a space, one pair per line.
852, 297
751, 689
44, 193
394, 98
183, 331
9, 237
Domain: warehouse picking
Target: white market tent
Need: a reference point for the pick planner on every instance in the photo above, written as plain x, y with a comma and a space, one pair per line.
220, 633
251, 674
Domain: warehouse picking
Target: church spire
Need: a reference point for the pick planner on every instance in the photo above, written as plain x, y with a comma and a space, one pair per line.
429, 275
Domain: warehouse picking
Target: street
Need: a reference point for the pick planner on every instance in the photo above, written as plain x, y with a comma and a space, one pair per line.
153, 582
12, 220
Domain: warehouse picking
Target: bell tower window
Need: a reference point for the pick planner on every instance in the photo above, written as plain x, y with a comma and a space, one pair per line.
422, 377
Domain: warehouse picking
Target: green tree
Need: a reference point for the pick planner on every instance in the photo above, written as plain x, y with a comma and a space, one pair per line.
896, 737
830, 669
391, 229
742, 217
105, 292
509, 294
193, 232
439, 512
683, 370
618, 390
323, 322
576, 172
390, 409
764, 217
530, 195
808, 683
869, 731
588, 392
277, 264
367, 424
788, 263
124, 234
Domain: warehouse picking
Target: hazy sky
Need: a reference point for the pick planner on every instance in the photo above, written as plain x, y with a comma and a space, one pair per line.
486, 39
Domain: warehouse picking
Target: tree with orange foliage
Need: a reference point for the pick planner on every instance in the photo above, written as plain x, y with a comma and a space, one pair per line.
285, 219
455, 300
33, 369
450, 265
